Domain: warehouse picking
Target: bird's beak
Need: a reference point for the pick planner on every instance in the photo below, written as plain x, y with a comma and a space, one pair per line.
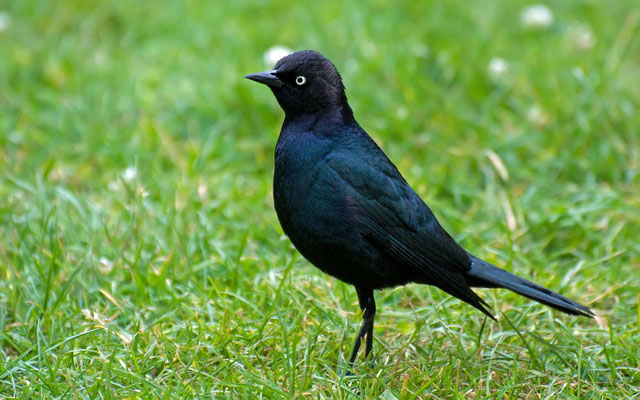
269, 78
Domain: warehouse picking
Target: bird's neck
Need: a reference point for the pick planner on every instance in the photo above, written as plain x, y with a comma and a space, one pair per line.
337, 115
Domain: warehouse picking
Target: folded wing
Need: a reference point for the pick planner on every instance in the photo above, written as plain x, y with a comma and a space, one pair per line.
393, 218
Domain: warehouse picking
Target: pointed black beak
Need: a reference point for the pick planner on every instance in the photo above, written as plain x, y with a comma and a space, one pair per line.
269, 78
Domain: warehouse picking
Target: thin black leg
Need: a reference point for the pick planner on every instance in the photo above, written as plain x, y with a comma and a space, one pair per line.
368, 307
369, 344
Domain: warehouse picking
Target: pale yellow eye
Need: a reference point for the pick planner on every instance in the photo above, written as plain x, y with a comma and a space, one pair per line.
300, 80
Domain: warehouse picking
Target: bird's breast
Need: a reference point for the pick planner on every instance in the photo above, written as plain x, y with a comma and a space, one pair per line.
310, 199
298, 172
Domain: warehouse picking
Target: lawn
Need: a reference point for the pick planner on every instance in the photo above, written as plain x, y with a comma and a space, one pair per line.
140, 255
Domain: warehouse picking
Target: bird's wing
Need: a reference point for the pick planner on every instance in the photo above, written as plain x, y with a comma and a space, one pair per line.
389, 214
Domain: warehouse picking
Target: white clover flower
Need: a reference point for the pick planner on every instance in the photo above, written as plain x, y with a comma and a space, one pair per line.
582, 38
498, 67
106, 262
537, 116
536, 16
114, 186
142, 191
275, 53
130, 173
5, 21
202, 191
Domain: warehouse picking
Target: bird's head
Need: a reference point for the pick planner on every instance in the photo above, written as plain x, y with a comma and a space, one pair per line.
305, 82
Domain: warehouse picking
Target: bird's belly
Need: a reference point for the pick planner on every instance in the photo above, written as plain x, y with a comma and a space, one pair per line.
315, 217
312, 214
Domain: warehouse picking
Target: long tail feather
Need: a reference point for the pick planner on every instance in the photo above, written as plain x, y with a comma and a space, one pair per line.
483, 274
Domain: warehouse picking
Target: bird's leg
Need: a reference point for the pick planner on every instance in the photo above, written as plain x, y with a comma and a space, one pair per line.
368, 307
371, 309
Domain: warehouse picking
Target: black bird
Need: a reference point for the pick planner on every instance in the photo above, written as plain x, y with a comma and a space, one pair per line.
348, 210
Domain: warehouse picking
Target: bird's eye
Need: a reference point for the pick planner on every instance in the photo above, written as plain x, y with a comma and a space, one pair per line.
300, 80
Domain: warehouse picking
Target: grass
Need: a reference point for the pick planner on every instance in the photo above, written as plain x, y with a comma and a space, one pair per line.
140, 256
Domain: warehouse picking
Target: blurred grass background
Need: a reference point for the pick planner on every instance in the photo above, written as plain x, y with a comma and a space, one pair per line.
140, 255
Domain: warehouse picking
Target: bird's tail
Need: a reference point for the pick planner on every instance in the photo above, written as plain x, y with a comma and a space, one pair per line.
483, 274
